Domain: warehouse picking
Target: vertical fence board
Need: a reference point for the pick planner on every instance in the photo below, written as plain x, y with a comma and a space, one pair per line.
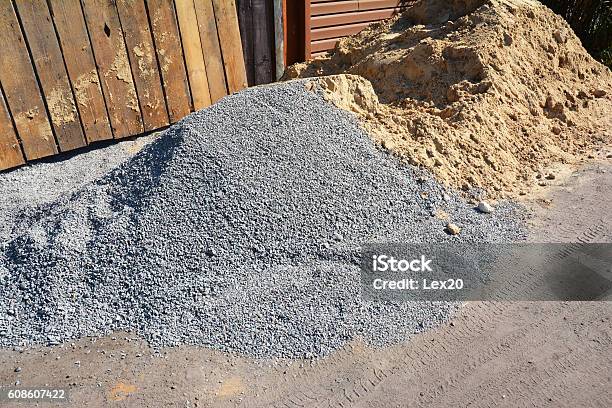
231, 46
263, 37
21, 88
279, 38
170, 56
49, 64
79, 71
245, 19
135, 25
10, 151
114, 67
194, 58
70, 25
307, 30
211, 49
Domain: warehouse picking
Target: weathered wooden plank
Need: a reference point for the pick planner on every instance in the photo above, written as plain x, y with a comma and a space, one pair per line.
10, 150
135, 25
70, 25
231, 46
194, 57
263, 36
211, 49
279, 38
285, 34
170, 57
245, 19
49, 64
307, 28
113, 64
21, 88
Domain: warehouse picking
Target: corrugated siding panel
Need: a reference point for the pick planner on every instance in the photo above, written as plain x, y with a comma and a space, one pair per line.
332, 20
337, 31
320, 9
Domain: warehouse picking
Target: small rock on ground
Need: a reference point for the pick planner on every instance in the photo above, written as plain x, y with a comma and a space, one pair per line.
453, 229
485, 207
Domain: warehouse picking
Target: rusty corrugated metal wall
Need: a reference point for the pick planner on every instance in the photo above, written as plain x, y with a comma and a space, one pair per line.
330, 20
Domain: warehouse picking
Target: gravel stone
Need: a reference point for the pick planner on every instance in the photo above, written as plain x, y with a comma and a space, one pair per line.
45, 181
484, 207
453, 229
237, 229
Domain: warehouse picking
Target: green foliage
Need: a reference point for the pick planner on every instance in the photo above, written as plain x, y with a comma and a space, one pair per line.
606, 57
591, 20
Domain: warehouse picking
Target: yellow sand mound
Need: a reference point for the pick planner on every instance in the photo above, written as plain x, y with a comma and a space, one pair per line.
483, 93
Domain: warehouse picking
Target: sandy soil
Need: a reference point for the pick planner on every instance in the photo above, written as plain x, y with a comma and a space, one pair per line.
482, 93
492, 354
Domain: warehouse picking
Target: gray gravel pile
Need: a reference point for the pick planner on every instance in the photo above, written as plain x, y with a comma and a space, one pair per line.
235, 230
42, 183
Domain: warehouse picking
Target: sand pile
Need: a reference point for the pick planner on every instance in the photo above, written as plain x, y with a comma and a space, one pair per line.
483, 93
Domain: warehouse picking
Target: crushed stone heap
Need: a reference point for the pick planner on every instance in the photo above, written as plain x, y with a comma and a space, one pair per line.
236, 229
484, 93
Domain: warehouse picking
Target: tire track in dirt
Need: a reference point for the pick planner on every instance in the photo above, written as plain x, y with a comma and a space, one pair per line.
484, 393
555, 389
484, 315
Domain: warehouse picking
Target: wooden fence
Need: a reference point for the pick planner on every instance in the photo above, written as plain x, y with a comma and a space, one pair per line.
73, 72
256, 19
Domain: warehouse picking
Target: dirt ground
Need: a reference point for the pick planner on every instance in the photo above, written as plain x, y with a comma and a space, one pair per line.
513, 354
